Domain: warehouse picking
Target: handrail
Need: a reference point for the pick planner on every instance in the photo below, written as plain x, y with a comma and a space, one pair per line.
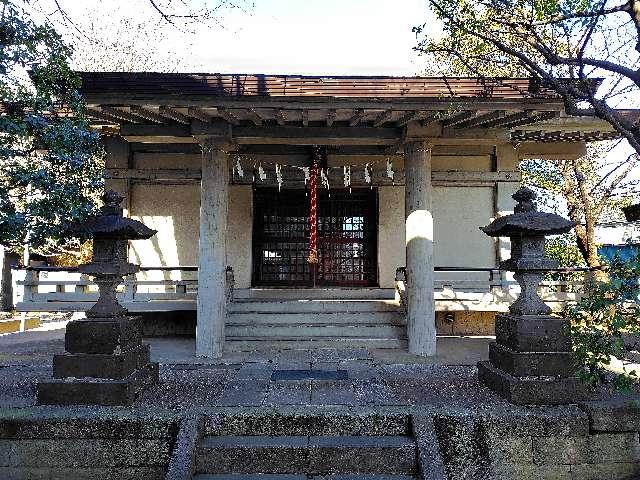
194, 268
48, 268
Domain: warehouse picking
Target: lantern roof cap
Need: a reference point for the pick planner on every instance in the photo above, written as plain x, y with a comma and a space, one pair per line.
527, 220
110, 222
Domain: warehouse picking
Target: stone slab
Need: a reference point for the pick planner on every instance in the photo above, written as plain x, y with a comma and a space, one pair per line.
595, 448
524, 364
124, 473
532, 390
97, 391
619, 415
103, 335
116, 366
309, 374
533, 333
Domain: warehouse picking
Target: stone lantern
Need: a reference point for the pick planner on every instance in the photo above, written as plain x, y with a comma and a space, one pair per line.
105, 361
530, 362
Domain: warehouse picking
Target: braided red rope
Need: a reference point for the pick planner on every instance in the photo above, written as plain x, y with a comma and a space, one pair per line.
313, 215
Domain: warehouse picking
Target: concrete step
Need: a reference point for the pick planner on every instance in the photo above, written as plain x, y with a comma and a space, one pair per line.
313, 293
313, 306
316, 421
248, 344
307, 455
312, 318
284, 476
305, 331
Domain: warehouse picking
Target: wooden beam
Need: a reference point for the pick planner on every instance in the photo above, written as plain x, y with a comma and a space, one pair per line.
357, 117
200, 114
228, 116
166, 148
317, 103
281, 117
383, 118
290, 135
458, 118
305, 117
331, 117
121, 114
254, 117
147, 114
173, 114
467, 177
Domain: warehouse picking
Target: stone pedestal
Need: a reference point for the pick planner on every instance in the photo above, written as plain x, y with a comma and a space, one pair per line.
530, 362
105, 363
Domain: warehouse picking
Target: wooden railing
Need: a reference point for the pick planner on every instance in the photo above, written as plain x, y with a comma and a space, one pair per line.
175, 288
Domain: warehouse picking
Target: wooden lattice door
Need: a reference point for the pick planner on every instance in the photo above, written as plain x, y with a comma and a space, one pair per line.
347, 238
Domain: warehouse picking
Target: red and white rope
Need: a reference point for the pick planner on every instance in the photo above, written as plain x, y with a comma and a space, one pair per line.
313, 214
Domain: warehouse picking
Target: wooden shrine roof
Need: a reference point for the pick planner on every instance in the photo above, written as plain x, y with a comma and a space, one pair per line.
242, 85
330, 110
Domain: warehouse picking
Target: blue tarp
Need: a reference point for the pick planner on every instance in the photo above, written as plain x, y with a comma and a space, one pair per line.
625, 252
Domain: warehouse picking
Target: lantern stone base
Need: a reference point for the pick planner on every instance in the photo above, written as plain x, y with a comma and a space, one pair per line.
532, 390
105, 363
530, 362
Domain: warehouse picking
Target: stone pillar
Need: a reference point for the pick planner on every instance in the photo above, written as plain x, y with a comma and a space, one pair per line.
421, 326
214, 196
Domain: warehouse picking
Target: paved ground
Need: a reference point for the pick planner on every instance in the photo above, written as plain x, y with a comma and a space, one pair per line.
373, 377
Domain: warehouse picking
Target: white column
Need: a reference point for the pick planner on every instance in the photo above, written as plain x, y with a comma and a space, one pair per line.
212, 249
421, 324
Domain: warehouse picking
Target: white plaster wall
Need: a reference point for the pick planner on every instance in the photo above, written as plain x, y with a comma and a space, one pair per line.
239, 233
458, 242
458, 212
174, 211
391, 247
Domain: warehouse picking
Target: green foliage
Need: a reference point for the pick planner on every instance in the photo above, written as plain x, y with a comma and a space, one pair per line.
599, 322
564, 250
570, 47
50, 161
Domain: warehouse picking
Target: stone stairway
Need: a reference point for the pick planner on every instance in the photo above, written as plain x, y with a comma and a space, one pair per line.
306, 318
335, 450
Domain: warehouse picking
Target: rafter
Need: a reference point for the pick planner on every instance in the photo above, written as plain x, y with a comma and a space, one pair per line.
409, 117
481, 120
281, 117
147, 114
122, 115
331, 117
99, 115
173, 114
457, 118
383, 118
305, 117
228, 116
430, 118
357, 117
200, 114
522, 118
254, 117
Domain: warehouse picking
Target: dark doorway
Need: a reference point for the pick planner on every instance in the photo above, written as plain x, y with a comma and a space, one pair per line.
347, 238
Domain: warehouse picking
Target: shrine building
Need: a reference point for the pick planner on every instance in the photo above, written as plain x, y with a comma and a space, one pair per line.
297, 209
